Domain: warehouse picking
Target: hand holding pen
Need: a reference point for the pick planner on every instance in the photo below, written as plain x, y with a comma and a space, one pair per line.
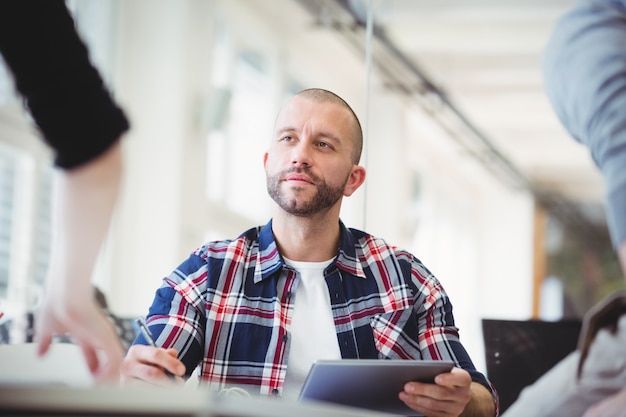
148, 336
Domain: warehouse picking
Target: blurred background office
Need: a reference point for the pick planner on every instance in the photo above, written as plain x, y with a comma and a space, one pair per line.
468, 167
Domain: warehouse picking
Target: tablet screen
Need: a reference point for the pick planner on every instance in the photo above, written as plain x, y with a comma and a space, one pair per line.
369, 383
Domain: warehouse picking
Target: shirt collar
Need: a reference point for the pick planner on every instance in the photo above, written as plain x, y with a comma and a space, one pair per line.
271, 261
347, 259
268, 257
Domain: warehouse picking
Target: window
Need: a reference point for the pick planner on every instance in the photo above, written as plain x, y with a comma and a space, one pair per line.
240, 122
7, 190
24, 224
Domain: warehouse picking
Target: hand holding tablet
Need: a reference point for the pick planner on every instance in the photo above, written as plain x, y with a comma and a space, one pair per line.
369, 383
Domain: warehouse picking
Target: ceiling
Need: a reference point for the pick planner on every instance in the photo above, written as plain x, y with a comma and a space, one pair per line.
482, 60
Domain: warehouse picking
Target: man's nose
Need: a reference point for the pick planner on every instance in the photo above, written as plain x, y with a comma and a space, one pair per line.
301, 154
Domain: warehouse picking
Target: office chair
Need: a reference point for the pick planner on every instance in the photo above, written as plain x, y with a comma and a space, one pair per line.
519, 352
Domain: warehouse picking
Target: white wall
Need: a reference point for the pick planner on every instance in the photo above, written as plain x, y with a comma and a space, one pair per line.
151, 82
474, 233
422, 191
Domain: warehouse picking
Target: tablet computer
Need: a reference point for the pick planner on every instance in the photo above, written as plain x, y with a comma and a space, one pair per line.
369, 383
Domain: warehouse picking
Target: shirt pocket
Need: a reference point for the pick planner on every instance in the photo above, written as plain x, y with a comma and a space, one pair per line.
396, 334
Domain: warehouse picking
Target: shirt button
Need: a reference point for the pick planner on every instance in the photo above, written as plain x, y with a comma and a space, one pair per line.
275, 391
288, 294
285, 337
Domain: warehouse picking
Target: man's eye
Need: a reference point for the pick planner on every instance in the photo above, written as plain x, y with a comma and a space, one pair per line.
286, 139
323, 145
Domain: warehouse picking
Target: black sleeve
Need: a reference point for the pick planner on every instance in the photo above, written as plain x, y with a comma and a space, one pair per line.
63, 91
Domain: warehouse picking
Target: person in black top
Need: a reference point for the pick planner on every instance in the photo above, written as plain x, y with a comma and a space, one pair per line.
82, 124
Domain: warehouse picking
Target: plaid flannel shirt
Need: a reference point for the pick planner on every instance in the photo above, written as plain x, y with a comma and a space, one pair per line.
228, 309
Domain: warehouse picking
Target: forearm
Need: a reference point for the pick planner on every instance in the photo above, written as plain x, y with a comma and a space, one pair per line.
84, 203
482, 403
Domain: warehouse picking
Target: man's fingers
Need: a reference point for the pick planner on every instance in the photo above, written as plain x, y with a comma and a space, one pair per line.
429, 406
438, 400
148, 363
455, 378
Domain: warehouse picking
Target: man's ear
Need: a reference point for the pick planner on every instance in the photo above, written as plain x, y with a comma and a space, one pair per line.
355, 180
265, 161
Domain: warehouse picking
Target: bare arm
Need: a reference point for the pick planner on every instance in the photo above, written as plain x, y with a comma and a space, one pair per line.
481, 404
84, 200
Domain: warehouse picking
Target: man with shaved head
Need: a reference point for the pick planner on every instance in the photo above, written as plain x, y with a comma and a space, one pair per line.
255, 312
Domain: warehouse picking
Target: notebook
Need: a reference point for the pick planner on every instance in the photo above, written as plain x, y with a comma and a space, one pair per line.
373, 384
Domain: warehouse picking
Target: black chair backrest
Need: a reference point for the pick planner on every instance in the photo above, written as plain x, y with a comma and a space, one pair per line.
519, 352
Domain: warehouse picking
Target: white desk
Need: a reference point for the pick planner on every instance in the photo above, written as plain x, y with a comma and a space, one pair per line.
64, 363
131, 401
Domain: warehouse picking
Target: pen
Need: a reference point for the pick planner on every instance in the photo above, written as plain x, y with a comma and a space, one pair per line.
148, 336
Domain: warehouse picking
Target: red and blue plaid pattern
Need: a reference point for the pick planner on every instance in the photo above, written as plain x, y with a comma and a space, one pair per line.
228, 309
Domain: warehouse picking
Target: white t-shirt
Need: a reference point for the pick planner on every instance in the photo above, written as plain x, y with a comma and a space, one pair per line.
313, 335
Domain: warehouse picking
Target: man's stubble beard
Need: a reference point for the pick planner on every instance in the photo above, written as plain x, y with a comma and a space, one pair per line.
325, 197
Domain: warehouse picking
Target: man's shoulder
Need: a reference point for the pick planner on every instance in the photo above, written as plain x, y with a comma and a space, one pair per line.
239, 245
371, 248
373, 244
